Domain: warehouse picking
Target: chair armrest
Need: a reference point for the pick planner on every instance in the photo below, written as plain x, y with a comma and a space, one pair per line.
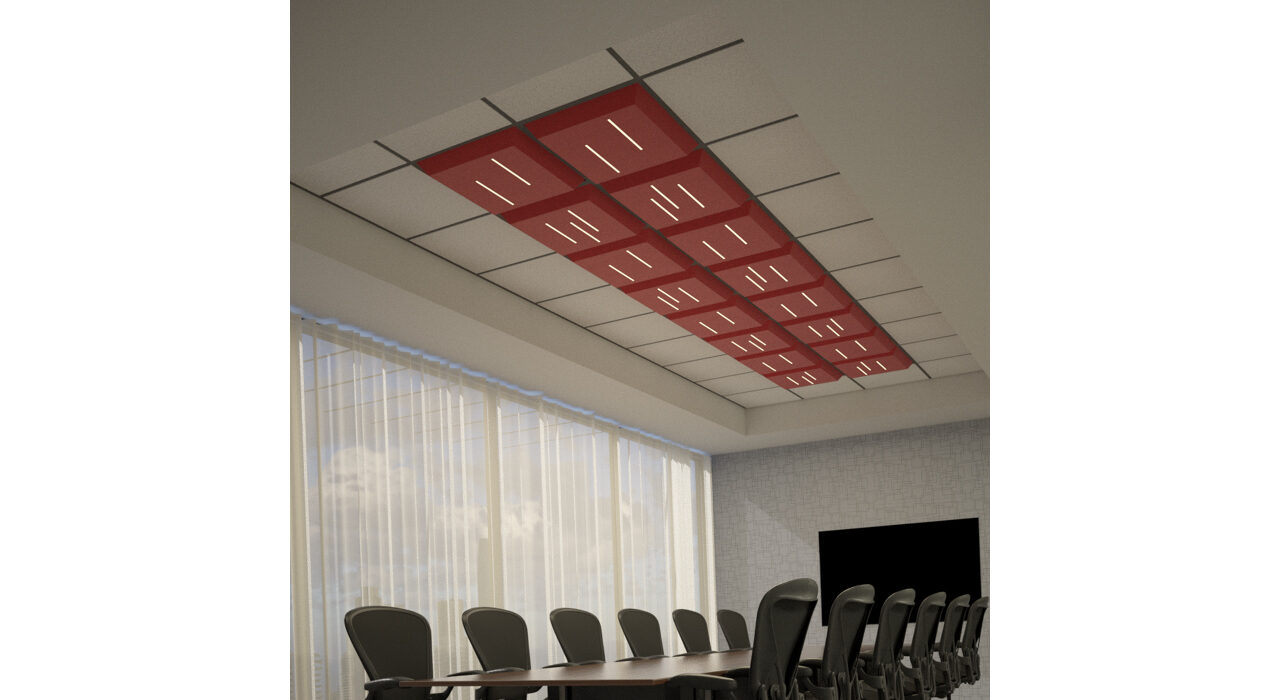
472, 672
703, 681
378, 684
562, 664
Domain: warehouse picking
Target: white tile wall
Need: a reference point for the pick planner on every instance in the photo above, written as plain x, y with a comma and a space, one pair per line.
770, 505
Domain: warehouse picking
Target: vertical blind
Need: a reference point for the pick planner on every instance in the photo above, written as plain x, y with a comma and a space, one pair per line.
420, 485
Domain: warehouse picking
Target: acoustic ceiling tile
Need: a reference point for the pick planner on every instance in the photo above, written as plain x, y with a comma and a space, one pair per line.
352, 166
910, 374
679, 40
738, 383
763, 397
849, 245
900, 305
447, 130
816, 206
842, 385
669, 352
544, 278
708, 368
406, 202
482, 244
951, 365
874, 279
594, 306
936, 349
584, 77
916, 329
774, 157
630, 332
720, 94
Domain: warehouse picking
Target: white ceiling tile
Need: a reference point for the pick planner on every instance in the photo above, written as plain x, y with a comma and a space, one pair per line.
587, 76
649, 328
904, 376
816, 206
763, 397
849, 245
951, 365
352, 166
678, 41
720, 94
774, 157
668, 352
916, 329
596, 306
842, 385
482, 244
544, 278
738, 383
467, 122
708, 368
899, 305
874, 279
936, 349
406, 201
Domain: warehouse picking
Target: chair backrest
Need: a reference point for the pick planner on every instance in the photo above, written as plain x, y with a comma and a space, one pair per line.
390, 641
781, 623
951, 623
499, 637
579, 634
973, 628
643, 633
846, 625
734, 627
892, 628
928, 615
692, 627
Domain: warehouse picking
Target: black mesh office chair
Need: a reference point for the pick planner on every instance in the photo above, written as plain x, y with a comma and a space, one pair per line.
692, 627
947, 666
734, 627
393, 645
835, 674
580, 635
500, 639
781, 623
879, 675
969, 661
918, 678
643, 633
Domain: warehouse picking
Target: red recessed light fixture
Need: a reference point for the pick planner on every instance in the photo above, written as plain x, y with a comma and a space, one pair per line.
850, 322
798, 379
723, 238
875, 343
771, 272
646, 257
890, 362
690, 290
796, 358
678, 192
731, 318
576, 222
765, 340
501, 172
805, 301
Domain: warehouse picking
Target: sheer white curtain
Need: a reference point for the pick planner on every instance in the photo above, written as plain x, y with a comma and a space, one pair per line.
420, 485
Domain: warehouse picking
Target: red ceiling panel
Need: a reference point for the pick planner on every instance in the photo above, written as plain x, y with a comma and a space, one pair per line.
805, 377
501, 172
613, 135
680, 191
796, 358
646, 257
729, 319
772, 272
576, 222
733, 235
767, 339
875, 343
851, 322
824, 297
695, 289
891, 362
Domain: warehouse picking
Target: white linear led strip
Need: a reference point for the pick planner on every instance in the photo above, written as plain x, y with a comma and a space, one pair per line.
622, 273
757, 274
842, 353
882, 366
664, 209
793, 381
766, 364
584, 231
664, 196
735, 344
713, 331
753, 281
508, 201
731, 321
513, 173
637, 257
784, 279
784, 308
682, 291
593, 152
761, 342
695, 199
756, 343
713, 249
735, 233
805, 295
579, 218
562, 233
677, 308
816, 331
620, 131
669, 295
788, 360
859, 344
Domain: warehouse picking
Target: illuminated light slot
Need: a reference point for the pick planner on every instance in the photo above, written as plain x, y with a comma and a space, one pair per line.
833, 331
810, 376
579, 218
864, 364
805, 295
837, 323
735, 233
793, 381
784, 357
562, 233
841, 353
642, 260
753, 281
731, 321
695, 199
768, 366
784, 308
816, 331
757, 274
682, 291
713, 249
508, 201
808, 380
620, 131
713, 331
882, 366
611, 267
584, 231
864, 372
784, 279
593, 152
658, 204
758, 341
513, 173
758, 345
677, 308
664, 196
669, 295
859, 344
735, 344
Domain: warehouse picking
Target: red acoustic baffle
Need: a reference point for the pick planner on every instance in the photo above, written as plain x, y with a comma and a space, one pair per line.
770, 273
693, 289
646, 257
894, 361
850, 322
797, 358
728, 319
729, 236
678, 192
770, 338
875, 343
576, 222
805, 377
502, 171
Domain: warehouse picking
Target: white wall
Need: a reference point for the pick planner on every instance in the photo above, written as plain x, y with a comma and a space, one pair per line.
770, 504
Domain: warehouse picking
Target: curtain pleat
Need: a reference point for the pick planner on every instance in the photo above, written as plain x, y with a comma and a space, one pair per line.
420, 485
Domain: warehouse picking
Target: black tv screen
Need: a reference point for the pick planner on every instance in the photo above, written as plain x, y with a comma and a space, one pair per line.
942, 555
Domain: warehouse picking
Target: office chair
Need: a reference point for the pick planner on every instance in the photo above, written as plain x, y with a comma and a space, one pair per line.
501, 642
947, 667
835, 674
394, 645
579, 634
969, 661
781, 623
918, 678
692, 627
734, 627
879, 673
643, 633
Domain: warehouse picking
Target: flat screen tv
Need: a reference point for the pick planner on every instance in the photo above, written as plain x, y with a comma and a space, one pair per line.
942, 555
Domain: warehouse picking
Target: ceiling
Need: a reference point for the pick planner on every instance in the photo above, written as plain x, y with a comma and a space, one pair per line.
915, 260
